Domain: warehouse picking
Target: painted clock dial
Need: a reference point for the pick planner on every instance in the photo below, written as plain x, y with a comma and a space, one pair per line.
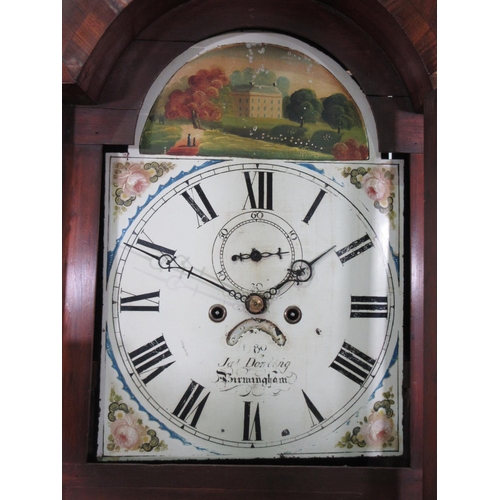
251, 311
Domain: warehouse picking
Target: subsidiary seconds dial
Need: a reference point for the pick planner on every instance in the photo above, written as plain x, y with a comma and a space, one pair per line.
254, 251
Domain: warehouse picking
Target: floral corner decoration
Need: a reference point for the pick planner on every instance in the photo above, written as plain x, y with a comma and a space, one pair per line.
377, 184
131, 180
376, 430
128, 432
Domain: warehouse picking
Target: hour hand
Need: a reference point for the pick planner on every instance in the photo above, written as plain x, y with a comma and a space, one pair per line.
301, 270
256, 256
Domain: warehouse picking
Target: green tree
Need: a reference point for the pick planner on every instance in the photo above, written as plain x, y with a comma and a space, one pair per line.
304, 107
265, 77
340, 113
283, 84
249, 75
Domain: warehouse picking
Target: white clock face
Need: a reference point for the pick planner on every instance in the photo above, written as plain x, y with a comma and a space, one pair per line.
252, 308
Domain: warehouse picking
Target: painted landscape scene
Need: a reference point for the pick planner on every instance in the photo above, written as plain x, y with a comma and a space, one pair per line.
254, 100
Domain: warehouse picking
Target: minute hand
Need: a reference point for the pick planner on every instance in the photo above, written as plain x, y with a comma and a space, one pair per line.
168, 261
199, 276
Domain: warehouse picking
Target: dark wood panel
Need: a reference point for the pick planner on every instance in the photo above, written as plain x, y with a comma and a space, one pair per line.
414, 21
95, 125
428, 9
136, 71
73, 14
417, 290
246, 482
430, 298
81, 214
399, 129
87, 33
335, 34
94, 43
380, 25
114, 40
94, 493
67, 78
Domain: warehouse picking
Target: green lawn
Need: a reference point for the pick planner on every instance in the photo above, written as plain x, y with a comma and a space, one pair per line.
217, 143
253, 138
156, 137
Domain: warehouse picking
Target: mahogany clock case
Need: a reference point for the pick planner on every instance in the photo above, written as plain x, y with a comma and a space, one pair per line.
96, 129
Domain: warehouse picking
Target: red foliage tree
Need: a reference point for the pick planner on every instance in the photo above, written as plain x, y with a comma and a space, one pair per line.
199, 100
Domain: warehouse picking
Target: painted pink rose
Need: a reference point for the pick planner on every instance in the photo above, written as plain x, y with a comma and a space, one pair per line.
377, 186
377, 430
134, 180
127, 433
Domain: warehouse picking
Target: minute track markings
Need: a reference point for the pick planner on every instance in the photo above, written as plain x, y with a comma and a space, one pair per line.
315, 411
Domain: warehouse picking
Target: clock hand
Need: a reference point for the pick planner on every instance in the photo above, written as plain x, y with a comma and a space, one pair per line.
165, 262
321, 255
300, 271
144, 251
163, 250
201, 277
166, 253
256, 256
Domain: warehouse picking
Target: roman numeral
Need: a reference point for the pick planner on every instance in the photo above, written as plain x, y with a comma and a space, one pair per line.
264, 198
163, 250
187, 407
314, 206
368, 307
149, 305
354, 249
353, 363
313, 411
148, 356
251, 428
204, 217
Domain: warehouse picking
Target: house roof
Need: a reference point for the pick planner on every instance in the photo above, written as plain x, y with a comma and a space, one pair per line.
257, 89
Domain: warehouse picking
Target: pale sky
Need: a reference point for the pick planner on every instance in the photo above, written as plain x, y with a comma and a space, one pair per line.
301, 71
